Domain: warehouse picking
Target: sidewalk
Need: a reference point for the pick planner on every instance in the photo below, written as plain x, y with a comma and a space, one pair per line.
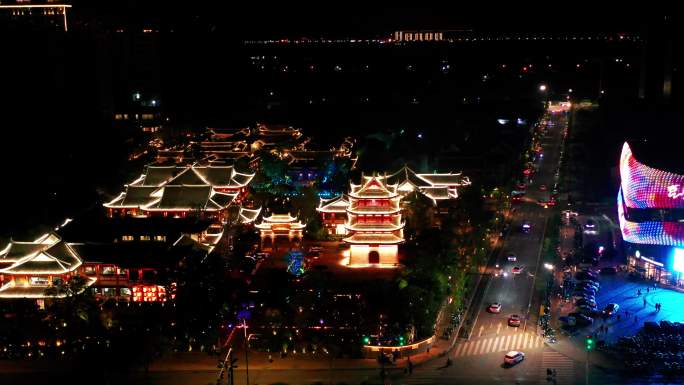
259, 360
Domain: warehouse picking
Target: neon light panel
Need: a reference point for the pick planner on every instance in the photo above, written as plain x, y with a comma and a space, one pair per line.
651, 232
678, 260
647, 187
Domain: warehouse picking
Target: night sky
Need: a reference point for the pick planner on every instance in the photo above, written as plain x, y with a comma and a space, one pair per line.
347, 19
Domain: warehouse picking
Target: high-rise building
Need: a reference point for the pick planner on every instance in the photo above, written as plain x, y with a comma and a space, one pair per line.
50, 14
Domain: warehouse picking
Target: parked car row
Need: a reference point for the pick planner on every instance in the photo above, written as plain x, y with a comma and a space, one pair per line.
584, 296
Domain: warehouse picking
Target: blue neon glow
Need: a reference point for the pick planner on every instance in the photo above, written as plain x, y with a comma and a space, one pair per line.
678, 260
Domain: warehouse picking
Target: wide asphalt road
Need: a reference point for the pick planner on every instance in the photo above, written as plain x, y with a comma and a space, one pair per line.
479, 358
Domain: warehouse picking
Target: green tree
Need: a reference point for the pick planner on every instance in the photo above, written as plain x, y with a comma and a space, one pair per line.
418, 212
274, 170
70, 301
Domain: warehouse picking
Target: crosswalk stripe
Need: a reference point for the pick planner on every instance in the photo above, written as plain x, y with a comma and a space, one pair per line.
564, 366
480, 347
466, 350
473, 348
489, 345
507, 340
526, 341
476, 349
465, 347
511, 345
476, 344
495, 344
485, 346
458, 351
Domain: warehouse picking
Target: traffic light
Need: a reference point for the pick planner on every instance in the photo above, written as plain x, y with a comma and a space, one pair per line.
366, 340
590, 343
401, 340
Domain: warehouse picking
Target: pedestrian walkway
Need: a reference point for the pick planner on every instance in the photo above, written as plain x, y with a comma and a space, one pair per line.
564, 366
518, 341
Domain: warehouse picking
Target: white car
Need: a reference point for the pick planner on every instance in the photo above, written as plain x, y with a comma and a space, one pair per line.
511, 257
494, 308
513, 357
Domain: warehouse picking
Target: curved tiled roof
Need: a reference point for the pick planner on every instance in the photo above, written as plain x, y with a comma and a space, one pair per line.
51, 256
365, 238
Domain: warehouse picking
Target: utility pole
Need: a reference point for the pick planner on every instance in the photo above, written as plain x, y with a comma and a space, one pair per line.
586, 370
244, 326
227, 361
589, 347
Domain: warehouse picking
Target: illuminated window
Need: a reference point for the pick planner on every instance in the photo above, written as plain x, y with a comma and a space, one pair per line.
125, 291
90, 270
109, 291
39, 281
145, 238
127, 238
340, 229
108, 270
160, 238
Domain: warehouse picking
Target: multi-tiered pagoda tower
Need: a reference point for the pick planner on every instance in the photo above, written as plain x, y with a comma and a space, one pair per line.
374, 223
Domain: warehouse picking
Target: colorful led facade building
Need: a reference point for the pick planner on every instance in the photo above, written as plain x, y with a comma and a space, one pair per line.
374, 223
651, 215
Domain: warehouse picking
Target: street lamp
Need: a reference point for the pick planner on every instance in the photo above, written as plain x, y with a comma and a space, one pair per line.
543, 88
548, 266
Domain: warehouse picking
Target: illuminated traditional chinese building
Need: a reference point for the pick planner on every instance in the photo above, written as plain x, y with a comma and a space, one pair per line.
173, 191
130, 268
334, 214
280, 225
435, 186
29, 268
374, 222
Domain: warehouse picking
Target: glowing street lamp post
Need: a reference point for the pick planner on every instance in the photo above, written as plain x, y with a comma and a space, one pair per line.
543, 88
